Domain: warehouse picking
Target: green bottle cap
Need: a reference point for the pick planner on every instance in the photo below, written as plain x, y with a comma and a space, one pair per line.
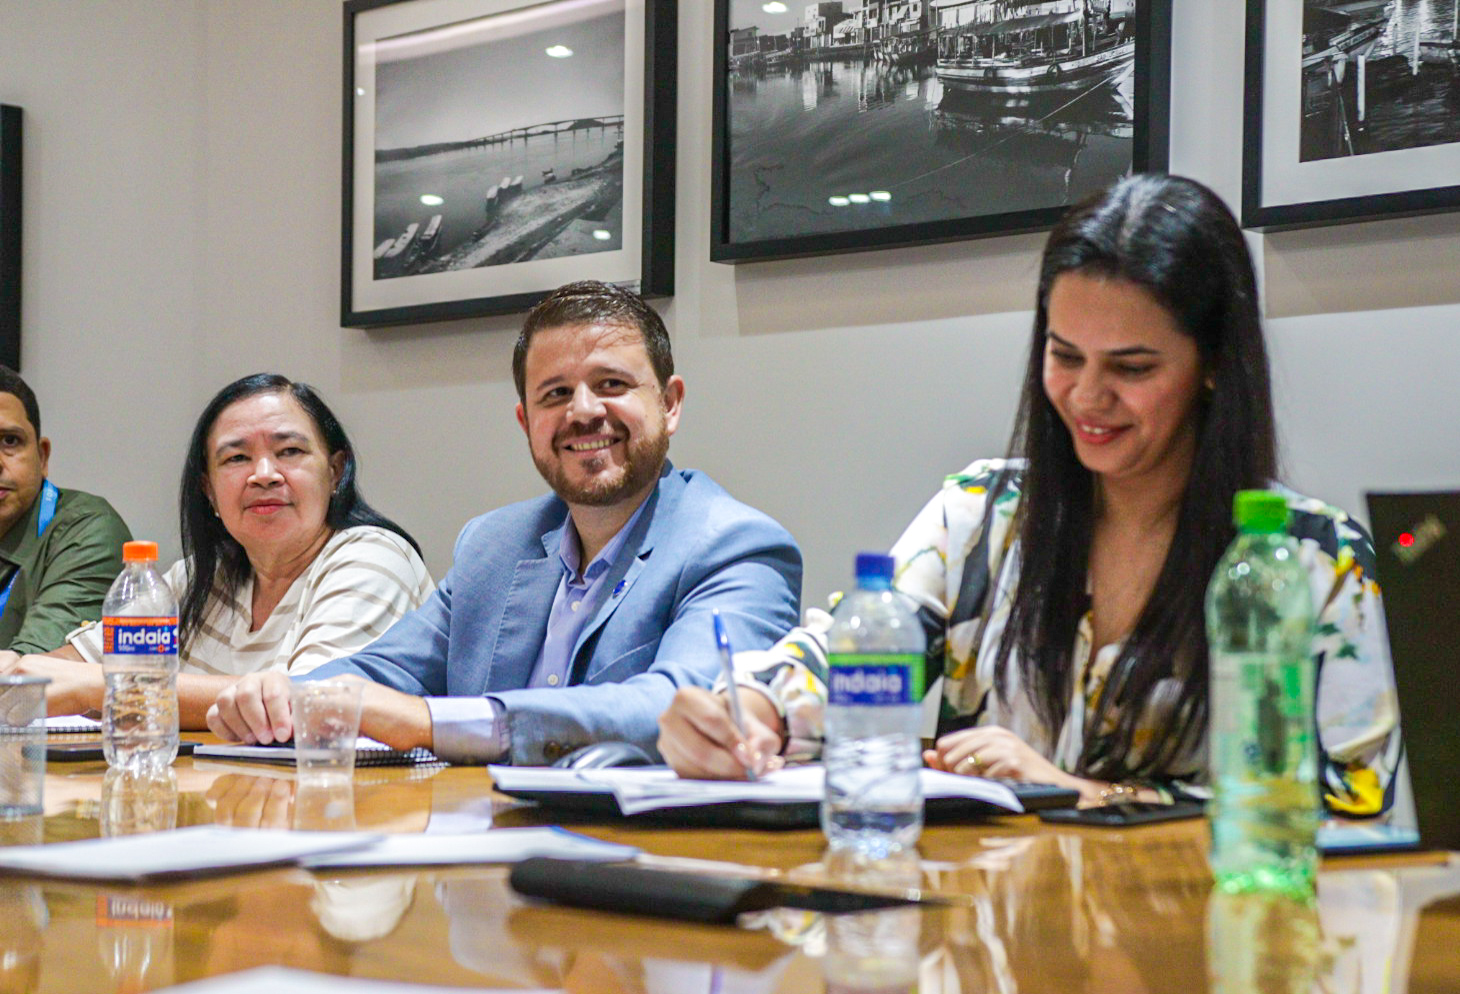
1260, 511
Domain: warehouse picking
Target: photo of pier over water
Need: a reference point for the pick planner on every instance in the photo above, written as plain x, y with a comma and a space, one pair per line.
859, 114
500, 140
1379, 76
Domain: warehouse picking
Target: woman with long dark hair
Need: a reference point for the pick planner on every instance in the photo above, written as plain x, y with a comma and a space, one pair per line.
1062, 588
285, 566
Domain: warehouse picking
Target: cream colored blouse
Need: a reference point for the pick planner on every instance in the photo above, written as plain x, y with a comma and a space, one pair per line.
362, 582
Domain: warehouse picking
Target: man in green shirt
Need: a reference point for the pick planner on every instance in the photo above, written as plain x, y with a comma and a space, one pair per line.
59, 549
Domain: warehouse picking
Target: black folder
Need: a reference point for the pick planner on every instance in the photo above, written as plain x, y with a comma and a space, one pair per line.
629, 889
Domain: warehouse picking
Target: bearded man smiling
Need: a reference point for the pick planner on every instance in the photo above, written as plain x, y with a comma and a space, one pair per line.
570, 619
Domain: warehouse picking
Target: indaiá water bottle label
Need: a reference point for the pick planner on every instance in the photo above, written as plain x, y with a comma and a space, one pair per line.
120, 909
139, 636
875, 679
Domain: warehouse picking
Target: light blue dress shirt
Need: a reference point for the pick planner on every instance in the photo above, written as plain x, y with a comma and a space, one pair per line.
478, 726
693, 551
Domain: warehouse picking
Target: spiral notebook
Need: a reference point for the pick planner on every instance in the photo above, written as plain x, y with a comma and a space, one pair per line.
72, 724
368, 752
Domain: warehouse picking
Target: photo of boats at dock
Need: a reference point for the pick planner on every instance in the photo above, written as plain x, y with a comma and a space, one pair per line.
1379, 76
501, 151
859, 114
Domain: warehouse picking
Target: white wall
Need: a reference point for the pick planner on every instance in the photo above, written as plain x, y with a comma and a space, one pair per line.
115, 149
183, 230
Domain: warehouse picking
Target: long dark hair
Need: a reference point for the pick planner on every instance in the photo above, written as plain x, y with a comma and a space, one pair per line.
217, 562
1177, 240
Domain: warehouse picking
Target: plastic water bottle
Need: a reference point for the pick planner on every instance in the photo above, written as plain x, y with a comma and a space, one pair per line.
1265, 807
873, 752
1269, 942
139, 662
874, 952
135, 939
135, 803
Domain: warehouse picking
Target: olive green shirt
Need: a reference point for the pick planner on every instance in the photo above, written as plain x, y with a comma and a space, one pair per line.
62, 576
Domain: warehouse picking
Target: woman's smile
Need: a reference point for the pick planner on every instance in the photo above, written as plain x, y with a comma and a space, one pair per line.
1123, 378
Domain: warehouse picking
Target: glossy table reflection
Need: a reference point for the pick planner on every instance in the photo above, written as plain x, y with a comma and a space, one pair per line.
1034, 908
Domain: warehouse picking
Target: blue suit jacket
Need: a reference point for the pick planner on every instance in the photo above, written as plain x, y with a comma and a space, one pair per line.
695, 548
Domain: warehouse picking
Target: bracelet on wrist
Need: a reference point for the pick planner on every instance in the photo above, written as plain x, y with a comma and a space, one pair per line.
1118, 793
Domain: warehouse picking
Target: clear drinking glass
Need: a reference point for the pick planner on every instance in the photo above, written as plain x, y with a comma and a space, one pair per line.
22, 745
326, 725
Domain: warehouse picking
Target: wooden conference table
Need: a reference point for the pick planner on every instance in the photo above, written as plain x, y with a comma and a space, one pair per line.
1034, 908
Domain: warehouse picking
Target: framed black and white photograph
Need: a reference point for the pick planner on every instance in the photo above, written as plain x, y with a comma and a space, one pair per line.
1352, 110
862, 124
10, 159
496, 149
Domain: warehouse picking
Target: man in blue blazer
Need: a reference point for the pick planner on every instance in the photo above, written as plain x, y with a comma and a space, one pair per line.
524, 653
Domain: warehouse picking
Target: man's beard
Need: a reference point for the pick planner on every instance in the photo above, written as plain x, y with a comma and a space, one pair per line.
644, 458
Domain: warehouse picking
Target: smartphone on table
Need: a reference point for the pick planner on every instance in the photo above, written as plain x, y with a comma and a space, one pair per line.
1118, 815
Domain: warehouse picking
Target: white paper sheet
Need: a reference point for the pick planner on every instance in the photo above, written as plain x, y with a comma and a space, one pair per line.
205, 849
939, 784
546, 778
62, 724
640, 789
282, 980
501, 845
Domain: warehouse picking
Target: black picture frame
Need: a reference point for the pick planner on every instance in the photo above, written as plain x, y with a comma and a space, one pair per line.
1320, 192
1150, 125
646, 267
10, 218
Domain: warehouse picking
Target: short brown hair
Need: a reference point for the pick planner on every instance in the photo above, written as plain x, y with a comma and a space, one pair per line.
593, 302
11, 383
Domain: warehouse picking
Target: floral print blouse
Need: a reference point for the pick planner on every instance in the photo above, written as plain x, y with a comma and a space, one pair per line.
958, 546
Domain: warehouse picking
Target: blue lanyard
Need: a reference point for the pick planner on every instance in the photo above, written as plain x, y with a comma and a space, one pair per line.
50, 497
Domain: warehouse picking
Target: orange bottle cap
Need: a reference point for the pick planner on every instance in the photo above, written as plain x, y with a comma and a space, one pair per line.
139, 552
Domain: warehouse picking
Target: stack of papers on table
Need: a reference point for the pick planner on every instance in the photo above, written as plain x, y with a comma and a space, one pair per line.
210, 849
282, 980
499, 845
653, 789
187, 852
71, 724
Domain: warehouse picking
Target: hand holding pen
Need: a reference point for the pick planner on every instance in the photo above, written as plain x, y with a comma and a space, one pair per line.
701, 738
732, 690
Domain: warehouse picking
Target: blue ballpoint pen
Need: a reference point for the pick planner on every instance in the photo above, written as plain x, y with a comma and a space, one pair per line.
727, 661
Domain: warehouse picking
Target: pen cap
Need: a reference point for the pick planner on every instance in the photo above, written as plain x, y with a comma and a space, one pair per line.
722, 637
